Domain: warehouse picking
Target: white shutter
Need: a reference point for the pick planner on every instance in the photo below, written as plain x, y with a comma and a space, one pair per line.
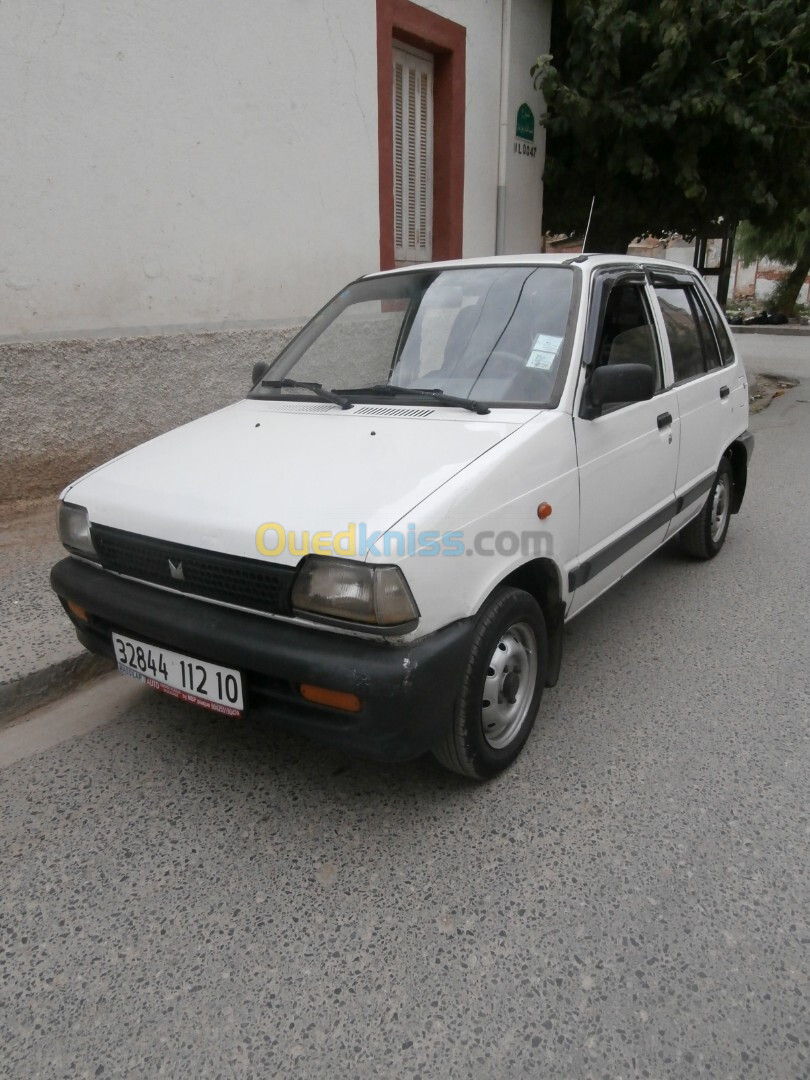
413, 156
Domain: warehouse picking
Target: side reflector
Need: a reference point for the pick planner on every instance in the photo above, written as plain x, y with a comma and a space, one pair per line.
337, 699
543, 510
78, 611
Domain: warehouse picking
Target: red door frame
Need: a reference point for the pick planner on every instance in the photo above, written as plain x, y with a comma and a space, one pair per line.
447, 42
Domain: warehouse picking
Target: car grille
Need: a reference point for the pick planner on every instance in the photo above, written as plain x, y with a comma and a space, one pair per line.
248, 583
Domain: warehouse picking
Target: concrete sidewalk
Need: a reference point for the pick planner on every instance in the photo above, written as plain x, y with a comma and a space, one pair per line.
40, 657
789, 329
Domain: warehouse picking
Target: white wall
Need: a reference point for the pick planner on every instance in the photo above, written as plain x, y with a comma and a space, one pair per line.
195, 163
757, 281
531, 27
157, 157
483, 22
530, 33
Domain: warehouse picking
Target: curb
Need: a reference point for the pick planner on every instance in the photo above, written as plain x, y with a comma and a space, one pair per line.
48, 684
788, 331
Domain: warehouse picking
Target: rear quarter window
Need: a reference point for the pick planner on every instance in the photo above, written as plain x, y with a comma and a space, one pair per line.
711, 352
720, 329
685, 339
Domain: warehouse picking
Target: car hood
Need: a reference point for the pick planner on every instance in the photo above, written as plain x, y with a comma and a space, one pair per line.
212, 483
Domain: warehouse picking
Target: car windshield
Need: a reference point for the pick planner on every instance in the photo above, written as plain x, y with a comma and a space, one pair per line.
489, 334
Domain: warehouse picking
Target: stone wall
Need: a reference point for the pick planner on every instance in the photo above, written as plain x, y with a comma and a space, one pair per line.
66, 406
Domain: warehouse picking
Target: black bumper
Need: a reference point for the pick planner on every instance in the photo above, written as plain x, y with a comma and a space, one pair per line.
408, 691
741, 450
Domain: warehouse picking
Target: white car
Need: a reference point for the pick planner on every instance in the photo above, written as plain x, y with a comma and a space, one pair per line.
381, 544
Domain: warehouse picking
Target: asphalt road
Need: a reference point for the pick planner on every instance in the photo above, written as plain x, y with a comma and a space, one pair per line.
776, 354
183, 895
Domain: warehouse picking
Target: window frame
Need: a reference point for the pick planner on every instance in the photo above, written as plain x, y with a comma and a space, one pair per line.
603, 282
288, 356
691, 286
703, 329
717, 321
410, 24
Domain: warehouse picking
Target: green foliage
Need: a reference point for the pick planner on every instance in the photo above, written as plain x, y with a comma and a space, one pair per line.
788, 243
676, 115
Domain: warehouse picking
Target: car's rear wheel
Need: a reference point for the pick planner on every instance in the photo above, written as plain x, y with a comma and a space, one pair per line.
501, 687
705, 534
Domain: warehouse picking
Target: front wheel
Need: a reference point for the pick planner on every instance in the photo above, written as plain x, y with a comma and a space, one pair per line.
501, 687
705, 534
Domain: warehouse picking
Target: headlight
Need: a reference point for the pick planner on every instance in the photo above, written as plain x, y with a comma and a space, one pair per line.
74, 531
354, 592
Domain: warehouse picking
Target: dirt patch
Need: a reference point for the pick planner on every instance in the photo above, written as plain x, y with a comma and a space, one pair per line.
762, 389
28, 537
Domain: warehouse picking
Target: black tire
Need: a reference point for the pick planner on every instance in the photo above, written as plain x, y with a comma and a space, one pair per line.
511, 635
705, 534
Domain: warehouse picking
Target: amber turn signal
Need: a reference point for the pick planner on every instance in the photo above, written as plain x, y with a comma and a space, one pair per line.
337, 699
78, 611
543, 510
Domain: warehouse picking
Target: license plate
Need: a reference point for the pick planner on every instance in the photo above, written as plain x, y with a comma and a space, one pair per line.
184, 677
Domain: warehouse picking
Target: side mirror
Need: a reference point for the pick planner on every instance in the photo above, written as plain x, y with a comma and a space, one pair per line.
260, 369
614, 384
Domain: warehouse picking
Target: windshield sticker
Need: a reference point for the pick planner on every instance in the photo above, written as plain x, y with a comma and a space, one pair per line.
544, 351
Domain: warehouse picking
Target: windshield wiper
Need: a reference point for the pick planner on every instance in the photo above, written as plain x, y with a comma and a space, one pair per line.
315, 387
392, 390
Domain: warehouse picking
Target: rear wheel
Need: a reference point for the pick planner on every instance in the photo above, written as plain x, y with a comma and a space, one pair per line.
705, 534
501, 687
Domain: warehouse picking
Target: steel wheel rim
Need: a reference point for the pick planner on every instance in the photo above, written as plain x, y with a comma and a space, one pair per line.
720, 507
509, 685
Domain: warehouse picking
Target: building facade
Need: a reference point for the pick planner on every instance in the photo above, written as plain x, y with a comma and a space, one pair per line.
182, 183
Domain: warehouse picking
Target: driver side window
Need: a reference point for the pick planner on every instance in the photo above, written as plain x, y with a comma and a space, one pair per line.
627, 335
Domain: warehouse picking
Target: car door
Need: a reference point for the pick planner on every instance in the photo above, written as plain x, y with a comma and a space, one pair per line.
628, 456
703, 387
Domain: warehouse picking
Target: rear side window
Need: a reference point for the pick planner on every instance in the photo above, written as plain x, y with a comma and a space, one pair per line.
720, 331
710, 350
691, 338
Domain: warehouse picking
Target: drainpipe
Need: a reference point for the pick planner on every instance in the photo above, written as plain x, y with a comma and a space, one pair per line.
503, 130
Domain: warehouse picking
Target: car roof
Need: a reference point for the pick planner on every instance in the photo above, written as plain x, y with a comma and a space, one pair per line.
585, 261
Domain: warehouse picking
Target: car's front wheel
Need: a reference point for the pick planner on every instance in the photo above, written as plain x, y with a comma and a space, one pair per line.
705, 534
501, 688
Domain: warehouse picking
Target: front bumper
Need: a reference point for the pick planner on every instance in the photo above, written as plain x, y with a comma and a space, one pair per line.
408, 691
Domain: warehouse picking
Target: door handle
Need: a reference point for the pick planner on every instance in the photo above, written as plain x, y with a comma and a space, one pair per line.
724, 391
664, 419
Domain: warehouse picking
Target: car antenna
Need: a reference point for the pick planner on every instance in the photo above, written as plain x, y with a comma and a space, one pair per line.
588, 226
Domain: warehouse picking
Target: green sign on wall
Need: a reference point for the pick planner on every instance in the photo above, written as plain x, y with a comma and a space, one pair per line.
525, 123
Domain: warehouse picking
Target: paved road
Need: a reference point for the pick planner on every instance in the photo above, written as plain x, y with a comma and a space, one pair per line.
776, 354
187, 896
